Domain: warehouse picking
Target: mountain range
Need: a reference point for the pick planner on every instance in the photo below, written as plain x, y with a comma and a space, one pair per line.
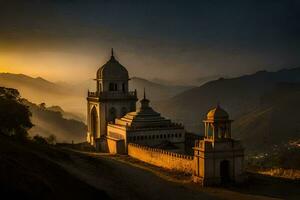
274, 121
71, 97
245, 99
263, 105
52, 121
59, 108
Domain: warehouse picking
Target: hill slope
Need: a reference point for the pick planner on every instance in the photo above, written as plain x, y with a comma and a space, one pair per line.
239, 96
49, 121
39, 90
275, 121
155, 91
30, 171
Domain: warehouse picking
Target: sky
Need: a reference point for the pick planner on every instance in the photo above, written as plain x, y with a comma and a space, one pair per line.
175, 41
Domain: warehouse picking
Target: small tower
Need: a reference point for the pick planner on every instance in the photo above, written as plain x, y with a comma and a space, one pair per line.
111, 100
217, 125
219, 159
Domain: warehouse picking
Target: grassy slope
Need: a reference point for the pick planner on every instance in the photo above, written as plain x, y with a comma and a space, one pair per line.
29, 170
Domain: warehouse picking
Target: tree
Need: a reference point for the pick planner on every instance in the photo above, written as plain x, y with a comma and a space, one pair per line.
39, 139
14, 115
51, 139
42, 106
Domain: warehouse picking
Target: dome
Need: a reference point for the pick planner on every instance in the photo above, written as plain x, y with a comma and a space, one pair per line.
112, 70
217, 114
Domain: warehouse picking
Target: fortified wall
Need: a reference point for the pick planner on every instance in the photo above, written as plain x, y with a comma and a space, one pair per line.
161, 158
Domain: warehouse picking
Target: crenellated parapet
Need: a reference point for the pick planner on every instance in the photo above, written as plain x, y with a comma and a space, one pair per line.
172, 154
161, 158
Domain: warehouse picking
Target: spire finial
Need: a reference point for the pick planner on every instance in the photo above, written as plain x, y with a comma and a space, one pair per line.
112, 52
144, 101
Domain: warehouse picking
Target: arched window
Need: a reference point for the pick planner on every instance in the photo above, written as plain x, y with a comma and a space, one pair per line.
123, 111
112, 114
94, 122
225, 171
123, 87
113, 87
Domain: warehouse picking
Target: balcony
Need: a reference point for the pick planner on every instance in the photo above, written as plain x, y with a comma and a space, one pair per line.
112, 95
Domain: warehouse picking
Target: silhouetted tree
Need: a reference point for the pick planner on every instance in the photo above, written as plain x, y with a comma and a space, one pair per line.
14, 115
39, 139
42, 106
51, 139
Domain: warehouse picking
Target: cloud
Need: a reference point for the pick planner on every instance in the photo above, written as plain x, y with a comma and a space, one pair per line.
169, 40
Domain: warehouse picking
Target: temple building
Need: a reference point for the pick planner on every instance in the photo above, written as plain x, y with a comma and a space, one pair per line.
146, 127
117, 127
113, 120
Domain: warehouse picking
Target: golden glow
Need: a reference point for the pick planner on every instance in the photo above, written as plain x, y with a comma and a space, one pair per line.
56, 66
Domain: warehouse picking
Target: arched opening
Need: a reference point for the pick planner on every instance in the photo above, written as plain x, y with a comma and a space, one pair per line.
123, 87
113, 87
94, 122
224, 171
123, 111
112, 114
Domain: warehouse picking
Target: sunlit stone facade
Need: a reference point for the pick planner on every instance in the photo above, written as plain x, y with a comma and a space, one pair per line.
218, 158
149, 128
111, 100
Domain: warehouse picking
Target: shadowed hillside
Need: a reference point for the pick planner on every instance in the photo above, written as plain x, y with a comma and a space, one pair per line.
30, 171
275, 121
49, 121
239, 96
154, 90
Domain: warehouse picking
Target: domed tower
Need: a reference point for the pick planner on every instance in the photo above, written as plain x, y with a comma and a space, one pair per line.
111, 100
217, 124
219, 159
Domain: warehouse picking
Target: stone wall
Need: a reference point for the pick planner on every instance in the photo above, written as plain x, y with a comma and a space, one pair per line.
161, 158
115, 146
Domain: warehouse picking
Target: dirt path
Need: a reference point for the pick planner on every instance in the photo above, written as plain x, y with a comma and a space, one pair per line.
126, 180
